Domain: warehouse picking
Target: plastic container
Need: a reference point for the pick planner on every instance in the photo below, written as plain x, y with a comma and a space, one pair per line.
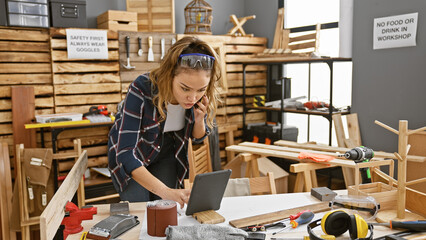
59, 117
33, 1
28, 8
28, 20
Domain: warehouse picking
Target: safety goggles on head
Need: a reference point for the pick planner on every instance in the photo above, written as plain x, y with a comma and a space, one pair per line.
191, 60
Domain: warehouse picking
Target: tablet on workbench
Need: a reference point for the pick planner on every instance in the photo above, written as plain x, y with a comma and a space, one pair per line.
207, 191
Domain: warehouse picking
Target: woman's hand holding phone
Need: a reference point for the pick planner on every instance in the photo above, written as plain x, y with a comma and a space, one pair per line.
200, 108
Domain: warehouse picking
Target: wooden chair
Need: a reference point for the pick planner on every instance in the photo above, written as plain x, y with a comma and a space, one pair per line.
199, 159
263, 185
6, 193
228, 130
258, 185
307, 42
287, 42
25, 220
52, 216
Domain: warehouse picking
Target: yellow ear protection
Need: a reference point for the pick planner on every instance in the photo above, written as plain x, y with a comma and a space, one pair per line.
338, 222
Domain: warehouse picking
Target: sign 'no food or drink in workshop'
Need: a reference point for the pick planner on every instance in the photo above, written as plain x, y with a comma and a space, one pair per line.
87, 44
395, 31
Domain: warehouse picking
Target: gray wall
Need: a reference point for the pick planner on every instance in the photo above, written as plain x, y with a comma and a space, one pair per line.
388, 84
96, 7
262, 26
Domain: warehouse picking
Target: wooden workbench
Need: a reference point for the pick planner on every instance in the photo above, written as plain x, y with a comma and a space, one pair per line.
232, 208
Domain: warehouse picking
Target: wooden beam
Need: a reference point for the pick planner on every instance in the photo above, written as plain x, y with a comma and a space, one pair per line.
340, 132
5, 192
386, 127
377, 154
353, 128
402, 167
416, 130
276, 216
23, 112
52, 216
278, 29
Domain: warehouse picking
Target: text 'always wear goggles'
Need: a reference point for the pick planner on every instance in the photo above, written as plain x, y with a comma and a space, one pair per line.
191, 60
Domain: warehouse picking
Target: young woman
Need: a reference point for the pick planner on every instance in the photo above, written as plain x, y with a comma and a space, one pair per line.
162, 110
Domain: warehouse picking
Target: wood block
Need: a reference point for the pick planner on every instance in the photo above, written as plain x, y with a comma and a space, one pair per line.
208, 217
323, 194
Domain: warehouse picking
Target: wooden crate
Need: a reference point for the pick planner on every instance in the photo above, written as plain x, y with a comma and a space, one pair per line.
384, 194
24, 60
154, 15
237, 48
140, 62
118, 21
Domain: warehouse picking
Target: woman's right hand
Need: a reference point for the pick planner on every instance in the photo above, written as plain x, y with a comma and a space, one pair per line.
180, 196
152, 184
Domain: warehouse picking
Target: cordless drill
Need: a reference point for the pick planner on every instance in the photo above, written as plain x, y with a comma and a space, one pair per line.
361, 154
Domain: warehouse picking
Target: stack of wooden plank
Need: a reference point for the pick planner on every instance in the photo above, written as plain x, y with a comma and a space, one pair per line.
79, 84
236, 49
24, 61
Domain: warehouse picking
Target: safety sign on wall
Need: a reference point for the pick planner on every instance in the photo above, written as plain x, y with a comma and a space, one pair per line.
87, 44
395, 31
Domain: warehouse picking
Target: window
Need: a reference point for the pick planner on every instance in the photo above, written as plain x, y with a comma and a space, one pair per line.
300, 13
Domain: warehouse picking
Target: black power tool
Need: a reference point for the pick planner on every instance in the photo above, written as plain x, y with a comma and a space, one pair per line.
361, 154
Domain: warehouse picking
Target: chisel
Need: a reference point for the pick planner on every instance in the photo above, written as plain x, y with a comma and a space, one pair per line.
418, 226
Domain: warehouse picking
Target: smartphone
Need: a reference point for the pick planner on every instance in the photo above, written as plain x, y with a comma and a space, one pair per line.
196, 104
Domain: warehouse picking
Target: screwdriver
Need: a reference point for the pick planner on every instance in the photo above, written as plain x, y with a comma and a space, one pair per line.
294, 217
410, 225
303, 218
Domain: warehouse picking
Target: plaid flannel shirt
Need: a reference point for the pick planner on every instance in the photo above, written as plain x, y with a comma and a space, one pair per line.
136, 137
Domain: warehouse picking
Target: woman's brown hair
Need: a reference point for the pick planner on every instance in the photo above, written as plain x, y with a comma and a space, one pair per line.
162, 77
